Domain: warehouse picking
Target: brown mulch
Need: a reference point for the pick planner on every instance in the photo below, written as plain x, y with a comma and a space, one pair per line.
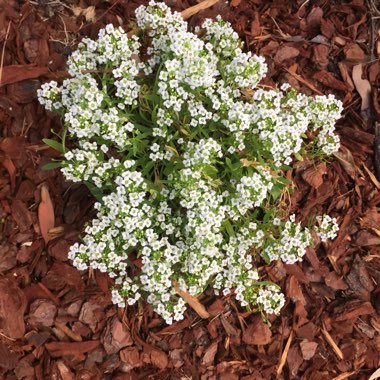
59, 323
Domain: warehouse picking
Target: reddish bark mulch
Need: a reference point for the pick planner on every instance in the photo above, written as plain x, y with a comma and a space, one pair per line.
59, 323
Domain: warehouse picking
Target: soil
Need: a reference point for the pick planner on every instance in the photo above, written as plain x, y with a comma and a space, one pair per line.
59, 323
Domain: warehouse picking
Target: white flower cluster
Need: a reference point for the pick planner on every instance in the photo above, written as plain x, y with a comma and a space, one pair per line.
186, 163
328, 227
224, 39
48, 95
87, 164
291, 246
325, 112
282, 118
204, 152
250, 192
271, 299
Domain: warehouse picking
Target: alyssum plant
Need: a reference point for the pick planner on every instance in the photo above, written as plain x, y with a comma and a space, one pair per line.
187, 169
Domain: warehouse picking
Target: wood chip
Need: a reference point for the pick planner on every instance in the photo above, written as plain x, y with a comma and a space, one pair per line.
308, 349
58, 349
17, 73
354, 53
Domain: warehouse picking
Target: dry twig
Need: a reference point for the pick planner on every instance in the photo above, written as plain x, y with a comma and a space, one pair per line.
191, 11
3, 51
332, 343
284, 355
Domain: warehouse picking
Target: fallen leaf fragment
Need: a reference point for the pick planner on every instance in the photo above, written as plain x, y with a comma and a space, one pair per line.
347, 161
192, 301
375, 375
59, 349
88, 13
46, 213
314, 175
362, 86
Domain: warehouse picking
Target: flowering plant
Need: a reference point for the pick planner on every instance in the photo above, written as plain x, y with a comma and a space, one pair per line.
187, 169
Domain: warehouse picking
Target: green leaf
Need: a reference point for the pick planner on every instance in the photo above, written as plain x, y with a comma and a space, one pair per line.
54, 144
51, 165
275, 192
284, 181
286, 167
265, 283
268, 216
94, 190
210, 170
228, 226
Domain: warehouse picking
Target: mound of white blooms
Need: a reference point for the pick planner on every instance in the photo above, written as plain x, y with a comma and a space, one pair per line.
187, 168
